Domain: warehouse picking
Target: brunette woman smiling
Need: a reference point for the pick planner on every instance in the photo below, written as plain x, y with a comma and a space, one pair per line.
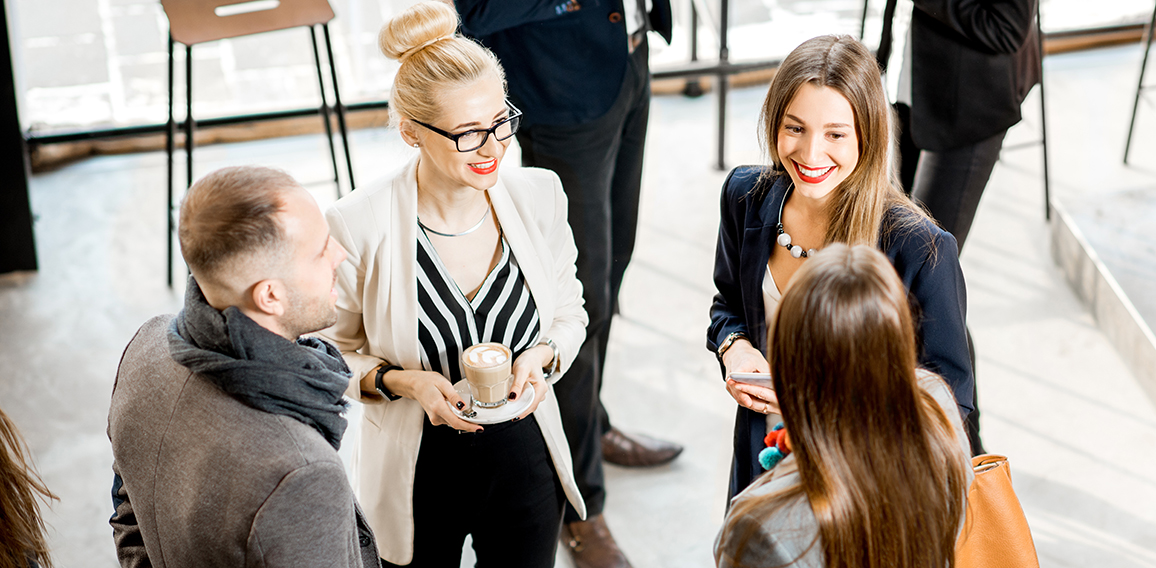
450, 251
826, 125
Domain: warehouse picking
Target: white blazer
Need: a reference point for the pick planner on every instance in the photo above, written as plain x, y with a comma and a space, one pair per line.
378, 313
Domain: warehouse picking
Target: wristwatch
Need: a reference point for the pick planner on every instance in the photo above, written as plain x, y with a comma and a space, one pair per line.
555, 363
730, 340
380, 385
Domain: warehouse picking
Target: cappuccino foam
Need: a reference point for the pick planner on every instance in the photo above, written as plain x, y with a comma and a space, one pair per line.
486, 356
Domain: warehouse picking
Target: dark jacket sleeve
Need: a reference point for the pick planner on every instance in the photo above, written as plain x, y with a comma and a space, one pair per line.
726, 312
1000, 26
484, 17
934, 278
130, 549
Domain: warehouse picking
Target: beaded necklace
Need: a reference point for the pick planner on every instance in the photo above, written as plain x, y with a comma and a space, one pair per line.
784, 239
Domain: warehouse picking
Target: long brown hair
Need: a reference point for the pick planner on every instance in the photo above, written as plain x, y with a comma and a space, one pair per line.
21, 526
879, 461
859, 203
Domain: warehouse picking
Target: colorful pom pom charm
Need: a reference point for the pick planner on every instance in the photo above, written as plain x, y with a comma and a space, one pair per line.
776, 449
770, 457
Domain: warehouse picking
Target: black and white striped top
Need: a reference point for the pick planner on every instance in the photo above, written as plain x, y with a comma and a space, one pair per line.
502, 311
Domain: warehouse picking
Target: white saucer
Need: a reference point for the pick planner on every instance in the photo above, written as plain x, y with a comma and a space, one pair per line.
494, 415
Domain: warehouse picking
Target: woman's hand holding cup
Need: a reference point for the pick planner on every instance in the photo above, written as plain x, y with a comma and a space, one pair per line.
436, 395
527, 368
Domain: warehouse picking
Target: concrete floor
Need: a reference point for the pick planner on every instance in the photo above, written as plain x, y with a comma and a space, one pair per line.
1056, 397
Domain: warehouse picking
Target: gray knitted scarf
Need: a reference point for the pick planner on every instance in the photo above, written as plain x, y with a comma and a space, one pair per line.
304, 380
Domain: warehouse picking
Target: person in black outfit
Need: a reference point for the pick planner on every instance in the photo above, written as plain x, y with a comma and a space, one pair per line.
579, 72
967, 67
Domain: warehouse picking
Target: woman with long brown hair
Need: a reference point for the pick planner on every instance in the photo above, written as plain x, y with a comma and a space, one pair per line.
22, 542
877, 463
826, 124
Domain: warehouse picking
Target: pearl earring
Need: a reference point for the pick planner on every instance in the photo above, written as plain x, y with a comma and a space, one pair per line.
415, 144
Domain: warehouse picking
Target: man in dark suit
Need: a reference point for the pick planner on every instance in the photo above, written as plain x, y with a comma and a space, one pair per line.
967, 66
578, 70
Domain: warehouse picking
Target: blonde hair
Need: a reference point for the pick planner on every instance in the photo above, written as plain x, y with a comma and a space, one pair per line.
860, 203
434, 59
22, 532
879, 462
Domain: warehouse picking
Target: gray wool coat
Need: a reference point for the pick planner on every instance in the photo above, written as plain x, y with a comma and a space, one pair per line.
203, 480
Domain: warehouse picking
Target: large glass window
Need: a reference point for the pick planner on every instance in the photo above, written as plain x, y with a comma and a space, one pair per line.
102, 63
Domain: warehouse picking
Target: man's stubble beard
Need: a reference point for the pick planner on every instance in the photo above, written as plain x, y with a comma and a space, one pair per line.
306, 317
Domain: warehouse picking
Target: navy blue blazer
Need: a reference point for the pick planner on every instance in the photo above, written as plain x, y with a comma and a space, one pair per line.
565, 59
747, 231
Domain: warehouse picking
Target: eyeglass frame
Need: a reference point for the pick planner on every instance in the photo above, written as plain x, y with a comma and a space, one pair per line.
515, 114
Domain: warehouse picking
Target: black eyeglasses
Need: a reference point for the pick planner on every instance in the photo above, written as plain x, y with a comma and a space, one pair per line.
471, 140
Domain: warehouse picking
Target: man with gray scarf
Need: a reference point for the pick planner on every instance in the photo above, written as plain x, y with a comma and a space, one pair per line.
225, 422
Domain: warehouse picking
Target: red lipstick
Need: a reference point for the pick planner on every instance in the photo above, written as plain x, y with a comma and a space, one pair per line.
493, 167
808, 179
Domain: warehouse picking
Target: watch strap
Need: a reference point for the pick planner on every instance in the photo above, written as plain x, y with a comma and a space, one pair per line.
556, 362
729, 341
379, 383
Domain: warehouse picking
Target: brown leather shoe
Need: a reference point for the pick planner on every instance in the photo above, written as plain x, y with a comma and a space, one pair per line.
591, 544
637, 450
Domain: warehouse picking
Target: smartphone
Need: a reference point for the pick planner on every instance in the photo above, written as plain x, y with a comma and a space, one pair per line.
756, 379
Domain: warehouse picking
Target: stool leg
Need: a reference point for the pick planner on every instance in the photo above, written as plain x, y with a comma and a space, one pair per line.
170, 148
325, 110
1148, 32
863, 20
338, 106
1043, 119
189, 142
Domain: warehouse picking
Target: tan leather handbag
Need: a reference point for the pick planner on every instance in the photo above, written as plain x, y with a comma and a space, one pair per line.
995, 532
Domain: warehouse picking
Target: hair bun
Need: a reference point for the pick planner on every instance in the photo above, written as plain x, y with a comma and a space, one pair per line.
417, 28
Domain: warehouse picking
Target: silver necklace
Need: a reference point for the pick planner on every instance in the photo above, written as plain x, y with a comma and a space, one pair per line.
784, 239
465, 232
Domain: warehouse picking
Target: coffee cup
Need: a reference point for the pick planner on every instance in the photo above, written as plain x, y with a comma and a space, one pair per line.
487, 367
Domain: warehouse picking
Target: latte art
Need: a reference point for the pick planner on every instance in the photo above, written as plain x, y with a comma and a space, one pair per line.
487, 356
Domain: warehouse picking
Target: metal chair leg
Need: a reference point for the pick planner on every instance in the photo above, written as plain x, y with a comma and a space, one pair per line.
722, 81
338, 106
1148, 33
863, 20
170, 148
1043, 118
325, 110
189, 123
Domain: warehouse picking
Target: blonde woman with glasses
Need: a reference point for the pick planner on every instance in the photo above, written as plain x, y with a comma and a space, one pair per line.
452, 250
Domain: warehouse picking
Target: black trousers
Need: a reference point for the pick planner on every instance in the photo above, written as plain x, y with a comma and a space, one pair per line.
600, 164
950, 184
499, 486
